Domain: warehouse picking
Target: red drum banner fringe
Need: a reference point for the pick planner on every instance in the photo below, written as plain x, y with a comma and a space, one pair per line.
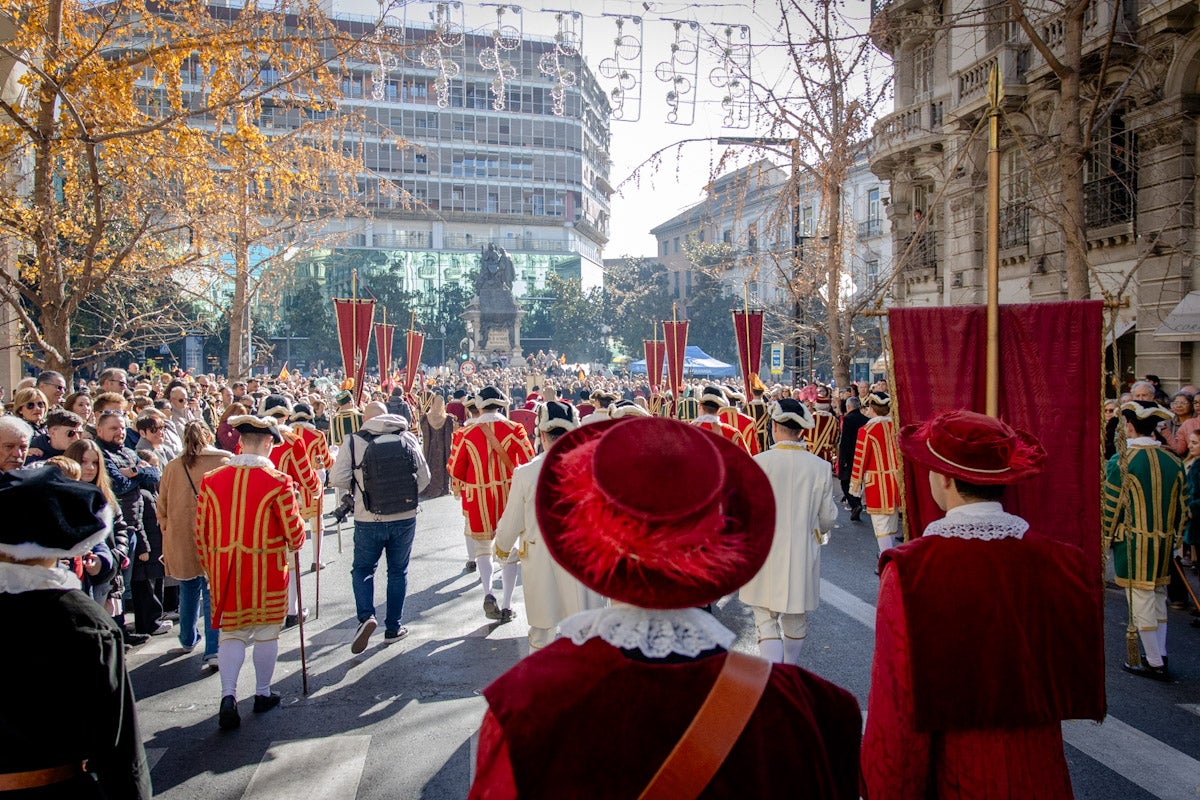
1050, 385
675, 336
747, 327
384, 335
415, 342
354, 319
655, 353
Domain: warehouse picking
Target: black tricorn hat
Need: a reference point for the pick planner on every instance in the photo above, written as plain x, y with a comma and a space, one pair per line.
48, 515
491, 397
248, 423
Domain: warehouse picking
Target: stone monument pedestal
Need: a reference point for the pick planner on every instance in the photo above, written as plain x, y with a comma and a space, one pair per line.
494, 333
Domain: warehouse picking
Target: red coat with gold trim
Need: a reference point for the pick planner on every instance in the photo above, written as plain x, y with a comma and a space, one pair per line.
822, 437
291, 458
483, 476
247, 521
315, 444
745, 426
721, 429
876, 466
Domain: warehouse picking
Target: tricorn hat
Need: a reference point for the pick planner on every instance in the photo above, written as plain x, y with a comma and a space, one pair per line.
301, 412
490, 397
48, 515
248, 423
714, 395
655, 512
557, 415
276, 405
1145, 409
792, 414
879, 399
973, 447
627, 408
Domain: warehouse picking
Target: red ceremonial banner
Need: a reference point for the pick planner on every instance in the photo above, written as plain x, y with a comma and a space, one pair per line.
384, 336
655, 354
1050, 385
675, 336
354, 318
748, 327
415, 343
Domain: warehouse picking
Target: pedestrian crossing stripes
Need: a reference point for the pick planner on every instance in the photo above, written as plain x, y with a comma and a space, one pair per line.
1154, 766
328, 768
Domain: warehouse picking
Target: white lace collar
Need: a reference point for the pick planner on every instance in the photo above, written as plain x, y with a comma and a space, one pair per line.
250, 460
706, 418
21, 578
655, 633
984, 521
1143, 441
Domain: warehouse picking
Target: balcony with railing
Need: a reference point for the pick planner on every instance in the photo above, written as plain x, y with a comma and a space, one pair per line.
971, 87
1109, 201
888, 20
870, 229
910, 128
1014, 226
1098, 22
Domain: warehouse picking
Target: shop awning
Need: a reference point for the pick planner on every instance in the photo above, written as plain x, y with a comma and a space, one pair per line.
1123, 327
1183, 323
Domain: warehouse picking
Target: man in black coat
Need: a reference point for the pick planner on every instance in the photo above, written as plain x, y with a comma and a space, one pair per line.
851, 422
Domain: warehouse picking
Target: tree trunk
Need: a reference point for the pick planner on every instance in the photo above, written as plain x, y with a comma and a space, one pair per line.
1071, 160
237, 311
839, 353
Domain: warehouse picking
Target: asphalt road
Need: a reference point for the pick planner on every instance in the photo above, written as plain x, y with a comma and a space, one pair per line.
397, 720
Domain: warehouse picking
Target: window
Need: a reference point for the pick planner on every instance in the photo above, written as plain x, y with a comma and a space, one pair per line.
727, 236
806, 221
873, 274
752, 239
493, 203
922, 72
1014, 200
664, 247
538, 204
676, 243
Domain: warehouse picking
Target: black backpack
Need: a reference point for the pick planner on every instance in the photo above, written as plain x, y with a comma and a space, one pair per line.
389, 469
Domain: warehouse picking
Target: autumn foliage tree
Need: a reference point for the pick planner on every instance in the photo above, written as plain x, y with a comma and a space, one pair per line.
137, 124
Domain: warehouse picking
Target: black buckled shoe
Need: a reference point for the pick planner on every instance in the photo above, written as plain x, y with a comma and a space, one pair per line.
228, 717
265, 702
491, 609
1153, 673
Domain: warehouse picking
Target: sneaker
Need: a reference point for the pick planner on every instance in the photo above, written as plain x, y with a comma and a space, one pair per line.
210, 664
171, 616
265, 702
134, 639
228, 717
365, 629
491, 609
470, 567
507, 615
163, 628
395, 636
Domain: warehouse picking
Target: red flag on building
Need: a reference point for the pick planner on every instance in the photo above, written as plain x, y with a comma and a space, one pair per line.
414, 345
384, 334
940, 365
748, 327
675, 336
354, 318
656, 351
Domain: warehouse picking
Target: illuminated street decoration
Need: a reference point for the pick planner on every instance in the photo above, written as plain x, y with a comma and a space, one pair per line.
505, 39
623, 69
568, 42
445, 36
679, 72
732, 75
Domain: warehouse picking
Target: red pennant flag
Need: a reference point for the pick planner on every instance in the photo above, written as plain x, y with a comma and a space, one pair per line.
655, 355
384, 334
748, 327
675, 336
415, 344
354, 319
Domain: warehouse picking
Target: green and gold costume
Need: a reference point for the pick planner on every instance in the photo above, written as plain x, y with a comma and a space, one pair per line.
1147, 517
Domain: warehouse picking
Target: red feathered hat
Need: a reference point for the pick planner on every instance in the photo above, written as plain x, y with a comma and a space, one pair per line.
654, 512
973, 447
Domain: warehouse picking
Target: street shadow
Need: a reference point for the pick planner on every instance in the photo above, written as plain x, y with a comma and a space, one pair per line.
453, 779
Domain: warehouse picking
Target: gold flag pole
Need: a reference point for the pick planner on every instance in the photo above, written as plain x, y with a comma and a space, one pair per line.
992, 385
746, 323
354, 334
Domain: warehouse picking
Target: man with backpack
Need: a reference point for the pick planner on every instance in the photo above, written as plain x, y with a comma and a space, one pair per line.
383, 468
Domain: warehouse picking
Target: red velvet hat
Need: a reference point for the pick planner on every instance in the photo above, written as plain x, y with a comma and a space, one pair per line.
973, 447
654, 512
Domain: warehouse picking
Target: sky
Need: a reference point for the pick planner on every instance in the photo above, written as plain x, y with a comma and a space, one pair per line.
677, 182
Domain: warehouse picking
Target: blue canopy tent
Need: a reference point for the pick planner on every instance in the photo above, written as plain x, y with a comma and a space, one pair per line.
695, 362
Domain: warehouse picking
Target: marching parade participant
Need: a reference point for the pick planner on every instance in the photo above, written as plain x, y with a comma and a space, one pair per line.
712, 400
967, 698
663, 519
316, 448
852, 422
758, 410
874, 476
490, 449
346, 419
789, 584
602, 400
248, 525
732, 415
470, 414
551, 594
1144, 510
87, 746
822, 437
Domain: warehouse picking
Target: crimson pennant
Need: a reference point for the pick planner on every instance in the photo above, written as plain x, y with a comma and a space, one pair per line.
413, 346
748, 328
655, 354
354, 318
384, 335
675, 336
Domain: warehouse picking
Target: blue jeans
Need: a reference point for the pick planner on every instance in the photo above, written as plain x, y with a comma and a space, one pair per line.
194, 602
372, 539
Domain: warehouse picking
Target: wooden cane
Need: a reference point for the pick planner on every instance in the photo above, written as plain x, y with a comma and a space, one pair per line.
300, 618
1183, 576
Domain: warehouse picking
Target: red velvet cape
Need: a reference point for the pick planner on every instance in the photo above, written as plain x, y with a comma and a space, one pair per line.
585, 721
1004, 634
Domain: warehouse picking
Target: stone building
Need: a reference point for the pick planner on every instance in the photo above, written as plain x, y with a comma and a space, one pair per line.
1139, 177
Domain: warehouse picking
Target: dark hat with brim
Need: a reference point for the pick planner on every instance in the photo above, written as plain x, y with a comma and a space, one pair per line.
276, 405
627, 408
792, 413
490, 397
655, 512
48, 515
301, 412
557, 415
247, 423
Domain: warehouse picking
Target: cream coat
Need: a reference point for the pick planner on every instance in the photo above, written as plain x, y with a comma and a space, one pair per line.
551, 593
177, 512
790, 580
